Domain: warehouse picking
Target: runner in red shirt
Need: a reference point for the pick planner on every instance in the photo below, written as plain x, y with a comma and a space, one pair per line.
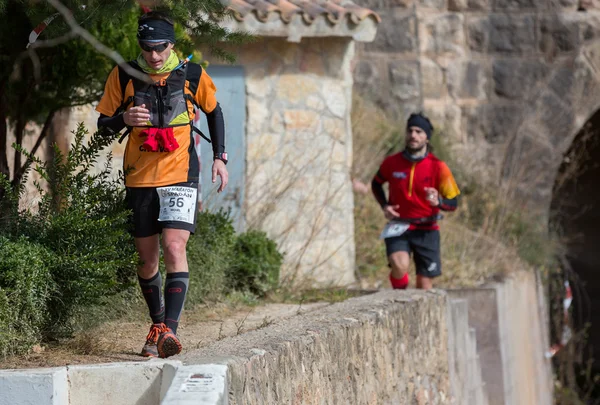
420, 185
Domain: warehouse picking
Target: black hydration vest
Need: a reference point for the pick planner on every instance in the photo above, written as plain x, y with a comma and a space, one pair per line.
166, 100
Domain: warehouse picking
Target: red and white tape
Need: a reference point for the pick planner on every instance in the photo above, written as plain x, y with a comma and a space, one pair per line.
567, 333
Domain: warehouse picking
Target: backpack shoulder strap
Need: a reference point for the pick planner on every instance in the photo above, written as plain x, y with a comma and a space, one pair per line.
192, 75
124, 79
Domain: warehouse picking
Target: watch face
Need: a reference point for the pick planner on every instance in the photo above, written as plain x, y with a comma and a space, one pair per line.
224, 155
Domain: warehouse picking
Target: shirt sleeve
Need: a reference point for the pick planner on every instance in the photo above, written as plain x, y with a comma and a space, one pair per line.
112, 98
448, 187
205, 94
382, 175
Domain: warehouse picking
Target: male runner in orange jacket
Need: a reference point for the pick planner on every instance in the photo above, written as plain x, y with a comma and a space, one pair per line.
161, 166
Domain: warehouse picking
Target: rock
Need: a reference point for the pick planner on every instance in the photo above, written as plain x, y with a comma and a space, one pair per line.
335, 97
397, 32
555, 118
295, 88
467, 79
397, 3
515, 79
405, 79
558, 35
494, 123
365, 73
511, 34
567, 32
437, 4
468, 5
504, 5
479, 33
531, 165
563, 4
442, 34
379, 5
258, 114
300, 120
432, 79
453, 127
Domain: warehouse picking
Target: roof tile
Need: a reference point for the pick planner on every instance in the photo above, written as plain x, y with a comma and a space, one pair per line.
309, 10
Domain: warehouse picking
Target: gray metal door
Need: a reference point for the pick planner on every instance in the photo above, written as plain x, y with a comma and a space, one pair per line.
231, 94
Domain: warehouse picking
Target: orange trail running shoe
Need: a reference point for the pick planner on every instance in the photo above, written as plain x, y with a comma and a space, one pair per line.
150, 348
168, 344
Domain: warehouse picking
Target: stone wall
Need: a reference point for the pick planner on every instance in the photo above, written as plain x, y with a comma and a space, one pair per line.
499, 77
388, 348
300, 153
469, 347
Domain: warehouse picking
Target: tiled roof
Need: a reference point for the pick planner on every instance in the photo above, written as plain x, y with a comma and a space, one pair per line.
333, 10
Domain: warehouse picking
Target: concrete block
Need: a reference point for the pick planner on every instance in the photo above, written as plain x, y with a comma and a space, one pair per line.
458, 343
116, 384
484, 318
168, 374
198, 384
34, 387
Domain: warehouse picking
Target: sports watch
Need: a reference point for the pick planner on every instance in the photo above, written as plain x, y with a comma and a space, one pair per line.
221, 156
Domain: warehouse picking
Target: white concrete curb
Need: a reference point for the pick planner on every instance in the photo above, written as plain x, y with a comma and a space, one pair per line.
34, 387
198, 384
103, 384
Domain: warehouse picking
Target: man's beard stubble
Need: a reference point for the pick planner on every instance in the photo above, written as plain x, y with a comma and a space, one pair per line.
415, 151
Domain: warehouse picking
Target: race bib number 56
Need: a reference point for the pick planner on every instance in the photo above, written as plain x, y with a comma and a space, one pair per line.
177, 203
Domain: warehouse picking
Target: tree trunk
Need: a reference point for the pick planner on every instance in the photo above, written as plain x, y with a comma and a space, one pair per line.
3, 134
21, 169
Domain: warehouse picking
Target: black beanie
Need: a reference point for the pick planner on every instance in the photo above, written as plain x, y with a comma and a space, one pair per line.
420, 121
155, 30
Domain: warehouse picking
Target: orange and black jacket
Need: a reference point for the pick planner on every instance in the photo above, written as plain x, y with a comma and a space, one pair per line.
408, 179
153, 169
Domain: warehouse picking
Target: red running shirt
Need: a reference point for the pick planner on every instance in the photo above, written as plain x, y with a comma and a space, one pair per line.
408, 180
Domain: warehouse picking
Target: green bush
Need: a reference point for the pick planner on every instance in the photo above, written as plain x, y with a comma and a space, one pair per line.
221, 261
209, 253
256, 263
82, 219
25, 287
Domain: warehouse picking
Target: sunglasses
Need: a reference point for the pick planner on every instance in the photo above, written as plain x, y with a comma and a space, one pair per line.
156, 48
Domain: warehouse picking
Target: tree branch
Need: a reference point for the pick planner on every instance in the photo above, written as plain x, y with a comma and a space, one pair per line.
99, 46
44, 133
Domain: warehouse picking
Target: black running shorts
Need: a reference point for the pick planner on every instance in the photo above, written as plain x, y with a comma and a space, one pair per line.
425, 247
156, 208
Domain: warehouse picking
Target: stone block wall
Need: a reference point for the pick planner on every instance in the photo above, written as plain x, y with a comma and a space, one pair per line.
492, 74
386, 348
397, 347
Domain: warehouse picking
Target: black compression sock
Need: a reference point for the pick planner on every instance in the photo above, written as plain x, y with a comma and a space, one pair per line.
152, 291
176, 288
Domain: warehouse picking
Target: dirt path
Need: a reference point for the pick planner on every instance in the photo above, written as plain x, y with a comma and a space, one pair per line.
122, 341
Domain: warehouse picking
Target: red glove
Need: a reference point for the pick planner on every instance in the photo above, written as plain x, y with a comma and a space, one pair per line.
151, 142
166, 139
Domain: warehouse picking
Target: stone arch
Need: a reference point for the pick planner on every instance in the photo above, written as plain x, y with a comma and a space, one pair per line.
556, 112
573, 213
